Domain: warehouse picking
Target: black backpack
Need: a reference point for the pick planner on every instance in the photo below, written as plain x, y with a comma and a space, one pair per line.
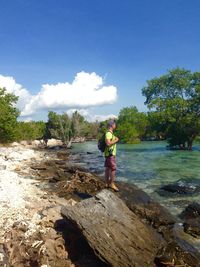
101, 143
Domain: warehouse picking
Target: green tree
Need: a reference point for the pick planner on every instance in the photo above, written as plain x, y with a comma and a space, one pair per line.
91, 130
174, 99
8, 116
131, 125
30, 130
78, 125
59, 127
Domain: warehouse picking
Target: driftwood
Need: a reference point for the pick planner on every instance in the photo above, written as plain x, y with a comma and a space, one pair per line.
114, 233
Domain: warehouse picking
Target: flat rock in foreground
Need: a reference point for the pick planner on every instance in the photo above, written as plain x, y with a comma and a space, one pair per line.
114, 233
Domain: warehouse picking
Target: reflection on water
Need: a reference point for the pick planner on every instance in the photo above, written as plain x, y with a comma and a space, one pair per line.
150, 165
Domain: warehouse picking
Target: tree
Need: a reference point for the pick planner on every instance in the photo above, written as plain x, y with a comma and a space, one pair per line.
131, 125
59, 127
77, 125
174, 99
30, 130
8, 116
155, 129
91, 130
67, 128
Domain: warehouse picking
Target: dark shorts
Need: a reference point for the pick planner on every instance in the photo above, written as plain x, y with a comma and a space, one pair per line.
110, 163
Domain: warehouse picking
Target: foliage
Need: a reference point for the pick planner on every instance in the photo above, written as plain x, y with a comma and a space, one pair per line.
65, 128
59, 127
174, 113
91, 130
30, 130
175, 101
77, 125
131, 125
8, 116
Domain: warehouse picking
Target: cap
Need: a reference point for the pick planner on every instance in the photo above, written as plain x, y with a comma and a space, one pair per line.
111, 122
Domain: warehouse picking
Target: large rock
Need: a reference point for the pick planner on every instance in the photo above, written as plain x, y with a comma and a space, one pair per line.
54, 142
114, 233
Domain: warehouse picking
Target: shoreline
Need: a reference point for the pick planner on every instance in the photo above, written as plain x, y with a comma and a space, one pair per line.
49, 176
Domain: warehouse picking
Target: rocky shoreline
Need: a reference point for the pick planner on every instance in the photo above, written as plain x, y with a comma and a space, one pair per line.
40, 187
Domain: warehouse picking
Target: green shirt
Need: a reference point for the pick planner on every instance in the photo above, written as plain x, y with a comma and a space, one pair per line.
110, 150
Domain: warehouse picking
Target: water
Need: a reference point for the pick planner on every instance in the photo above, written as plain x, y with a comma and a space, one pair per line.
150, 165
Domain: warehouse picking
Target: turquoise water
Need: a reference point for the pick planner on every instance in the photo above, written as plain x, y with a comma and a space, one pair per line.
150, 165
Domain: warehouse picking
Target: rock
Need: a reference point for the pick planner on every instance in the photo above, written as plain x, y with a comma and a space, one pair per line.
54, 142
43, 247
51, 215
179, 250
173, 255
40, 167
3, 257
15, 144
78, 140
64, 155
23, 143
192, 227
113, 232
142, 204
181, 187
81, 185
191, 211
191, 216
2, 167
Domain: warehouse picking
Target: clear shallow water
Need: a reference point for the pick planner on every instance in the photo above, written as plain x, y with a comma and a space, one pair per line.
150, 165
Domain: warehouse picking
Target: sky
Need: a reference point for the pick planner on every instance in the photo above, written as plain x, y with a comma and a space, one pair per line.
90, 55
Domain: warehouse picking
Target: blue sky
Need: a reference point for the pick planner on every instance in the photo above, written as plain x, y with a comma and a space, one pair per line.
124, 42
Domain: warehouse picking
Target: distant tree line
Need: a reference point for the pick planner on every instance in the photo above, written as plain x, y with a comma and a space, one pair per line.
173, 101
58, 126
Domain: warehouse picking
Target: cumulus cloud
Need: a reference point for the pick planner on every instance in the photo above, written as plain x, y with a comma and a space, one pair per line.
86, 90
13, 87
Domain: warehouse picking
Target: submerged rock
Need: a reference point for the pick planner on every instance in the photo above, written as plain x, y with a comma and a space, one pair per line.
182, 187
192, 211
114, 233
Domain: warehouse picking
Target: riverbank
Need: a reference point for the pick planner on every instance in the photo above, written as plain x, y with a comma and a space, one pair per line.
35, 184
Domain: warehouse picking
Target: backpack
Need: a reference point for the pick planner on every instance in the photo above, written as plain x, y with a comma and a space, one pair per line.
102, 143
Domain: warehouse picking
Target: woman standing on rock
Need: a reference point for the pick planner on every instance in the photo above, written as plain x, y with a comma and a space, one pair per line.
110, 155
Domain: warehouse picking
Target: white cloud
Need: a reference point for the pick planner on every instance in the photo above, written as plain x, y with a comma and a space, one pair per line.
12, 87
87, 90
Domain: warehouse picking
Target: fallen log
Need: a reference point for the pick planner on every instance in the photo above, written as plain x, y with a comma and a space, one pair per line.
113, 232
